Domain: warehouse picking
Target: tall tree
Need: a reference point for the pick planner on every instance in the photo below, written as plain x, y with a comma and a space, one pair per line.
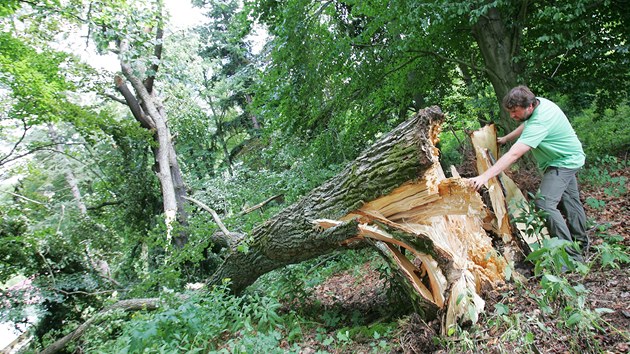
336, 55
228, 80
138, 40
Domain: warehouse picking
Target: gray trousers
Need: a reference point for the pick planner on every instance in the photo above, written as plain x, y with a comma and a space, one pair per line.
562, 200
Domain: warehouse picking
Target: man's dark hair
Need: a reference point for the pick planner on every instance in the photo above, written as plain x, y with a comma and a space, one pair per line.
520, 96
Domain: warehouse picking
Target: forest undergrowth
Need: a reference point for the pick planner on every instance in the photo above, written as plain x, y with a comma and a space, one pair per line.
346, 302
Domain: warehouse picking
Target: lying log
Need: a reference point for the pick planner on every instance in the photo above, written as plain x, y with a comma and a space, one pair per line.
290, 237
124, 305
431, 229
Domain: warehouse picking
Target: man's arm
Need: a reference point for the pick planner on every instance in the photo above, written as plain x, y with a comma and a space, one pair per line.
516, 151
514, 134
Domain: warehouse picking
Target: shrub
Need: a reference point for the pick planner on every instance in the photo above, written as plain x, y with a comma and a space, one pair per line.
604, 133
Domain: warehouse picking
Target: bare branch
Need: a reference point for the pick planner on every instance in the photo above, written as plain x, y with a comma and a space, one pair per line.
84, 292
215, 216
4, 160
260, 205
25, 198
114, 98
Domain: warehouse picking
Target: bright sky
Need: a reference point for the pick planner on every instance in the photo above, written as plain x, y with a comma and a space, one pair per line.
183, 15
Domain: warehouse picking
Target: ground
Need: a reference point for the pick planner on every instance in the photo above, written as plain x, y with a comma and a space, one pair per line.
514, 322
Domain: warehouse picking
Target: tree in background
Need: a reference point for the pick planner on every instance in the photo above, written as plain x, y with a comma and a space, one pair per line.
137, 34
84, 198
228, 77
328, 54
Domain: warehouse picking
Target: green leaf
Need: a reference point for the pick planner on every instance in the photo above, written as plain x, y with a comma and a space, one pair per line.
604, 310
501, 309
552, 278
575, 318
451, 331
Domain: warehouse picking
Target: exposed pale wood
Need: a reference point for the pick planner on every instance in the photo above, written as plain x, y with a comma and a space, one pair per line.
507, 198
214, 214
408, 278
454, 172
439, 221
484, 141
429, 265
411, 271
517, 203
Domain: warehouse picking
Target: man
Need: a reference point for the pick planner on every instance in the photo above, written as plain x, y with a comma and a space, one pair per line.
546, 131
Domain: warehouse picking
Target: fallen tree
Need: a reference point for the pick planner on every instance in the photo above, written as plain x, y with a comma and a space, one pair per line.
401, 156
432, 229
436, 232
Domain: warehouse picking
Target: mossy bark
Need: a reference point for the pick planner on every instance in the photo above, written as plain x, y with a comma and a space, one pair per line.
290, 237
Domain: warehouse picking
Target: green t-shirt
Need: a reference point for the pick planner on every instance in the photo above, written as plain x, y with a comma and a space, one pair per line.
551, 137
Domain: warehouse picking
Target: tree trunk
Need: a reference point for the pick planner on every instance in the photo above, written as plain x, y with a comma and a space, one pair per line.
70, 177
499, 46
290, 237
433, 230
147, 110
100, 266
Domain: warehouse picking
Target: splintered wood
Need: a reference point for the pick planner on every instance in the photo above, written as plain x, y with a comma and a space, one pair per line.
505, 196
433, 231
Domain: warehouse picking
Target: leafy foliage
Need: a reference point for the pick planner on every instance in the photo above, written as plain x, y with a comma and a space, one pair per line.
603, 132
333, 77
612, 253
200, 322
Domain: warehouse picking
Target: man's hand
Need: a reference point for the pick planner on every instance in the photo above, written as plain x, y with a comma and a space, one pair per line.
478, 181
502, 140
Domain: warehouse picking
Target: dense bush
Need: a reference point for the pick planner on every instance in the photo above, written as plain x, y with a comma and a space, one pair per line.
604, 133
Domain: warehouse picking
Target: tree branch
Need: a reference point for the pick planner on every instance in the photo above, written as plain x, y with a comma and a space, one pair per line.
260, 205
214, 214
454, 60
131, 101
83, 292
157, 51
125, 305
4, 160
114, 98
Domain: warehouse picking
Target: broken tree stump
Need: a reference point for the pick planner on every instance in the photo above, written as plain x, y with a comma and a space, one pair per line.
433, 230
